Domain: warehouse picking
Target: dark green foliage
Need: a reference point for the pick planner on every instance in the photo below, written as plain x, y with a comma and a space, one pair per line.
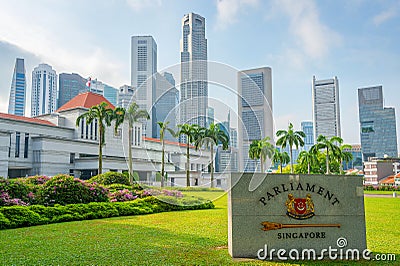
64, 189
18, 216
15, 189
110, 178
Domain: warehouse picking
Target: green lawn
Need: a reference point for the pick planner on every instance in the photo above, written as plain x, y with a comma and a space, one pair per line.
173, 238
375, 192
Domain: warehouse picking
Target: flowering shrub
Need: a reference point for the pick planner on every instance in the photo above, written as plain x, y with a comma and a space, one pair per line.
122, 195
36, 180
110, 178
5, 200
15, 189
64, 189
164, 192
381, 188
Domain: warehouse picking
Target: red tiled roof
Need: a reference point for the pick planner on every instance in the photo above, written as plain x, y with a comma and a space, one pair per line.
26, 119
167, 142
390, 179
85, 100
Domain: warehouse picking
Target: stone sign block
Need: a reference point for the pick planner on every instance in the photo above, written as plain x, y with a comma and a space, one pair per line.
283, 216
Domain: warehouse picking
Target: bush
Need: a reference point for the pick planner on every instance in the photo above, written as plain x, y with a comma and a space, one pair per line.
35, 180
21, 216
110, 178
64, 189
4, 222
15, 189
5, 200
122, 195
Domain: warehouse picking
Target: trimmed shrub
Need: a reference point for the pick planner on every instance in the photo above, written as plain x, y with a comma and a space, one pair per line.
122, 195
109, 178
64, 189
21, 216
4, 222
15, 189
35, 180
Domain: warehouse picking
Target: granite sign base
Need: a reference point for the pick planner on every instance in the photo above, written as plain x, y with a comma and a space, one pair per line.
275, 216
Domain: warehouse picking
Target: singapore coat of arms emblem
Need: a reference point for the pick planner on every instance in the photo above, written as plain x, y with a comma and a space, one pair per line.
300, 208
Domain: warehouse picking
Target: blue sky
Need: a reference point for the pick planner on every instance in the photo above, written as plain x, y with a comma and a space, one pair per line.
355, 40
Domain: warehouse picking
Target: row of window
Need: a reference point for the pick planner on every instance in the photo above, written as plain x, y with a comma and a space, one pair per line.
18, 145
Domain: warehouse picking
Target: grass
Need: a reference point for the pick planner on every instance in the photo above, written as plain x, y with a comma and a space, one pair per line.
377, 192
173, 238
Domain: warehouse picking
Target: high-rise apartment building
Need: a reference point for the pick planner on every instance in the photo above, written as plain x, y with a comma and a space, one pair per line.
143, 70
16, 104
326, 112
194, 86
377, 124
308, 129
255, 112
44, 90
70, 85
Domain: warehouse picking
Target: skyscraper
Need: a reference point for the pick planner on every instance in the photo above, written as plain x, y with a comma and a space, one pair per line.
16, 104
194, 86
111, 94
70, 85
125, 95
255, 112
307, 128
143, 70
377, 124
44, 90
326, 112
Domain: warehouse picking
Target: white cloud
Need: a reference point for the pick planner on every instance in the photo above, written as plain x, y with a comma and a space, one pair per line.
229, 9
312, 35
138, 5
384, 16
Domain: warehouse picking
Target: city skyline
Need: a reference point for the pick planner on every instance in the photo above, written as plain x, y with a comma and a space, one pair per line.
358, 40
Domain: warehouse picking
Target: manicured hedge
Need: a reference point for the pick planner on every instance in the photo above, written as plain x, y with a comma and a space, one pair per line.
21, 216
110, 178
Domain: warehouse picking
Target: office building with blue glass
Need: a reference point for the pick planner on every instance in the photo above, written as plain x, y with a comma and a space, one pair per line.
69, 86
16, 104
377, 124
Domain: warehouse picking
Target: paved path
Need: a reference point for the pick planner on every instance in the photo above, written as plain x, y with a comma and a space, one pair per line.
381, 195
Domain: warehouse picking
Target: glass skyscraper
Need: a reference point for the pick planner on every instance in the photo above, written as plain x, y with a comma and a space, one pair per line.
255, 113
194, 85
326, 112
44, 90
308, 129
16, 104
70, 85
377, 124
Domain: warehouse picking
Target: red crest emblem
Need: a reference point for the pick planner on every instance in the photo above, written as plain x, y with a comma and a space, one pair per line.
300, 208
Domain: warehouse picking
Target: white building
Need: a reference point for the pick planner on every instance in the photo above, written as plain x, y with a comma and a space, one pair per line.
255, 113
53, 144
194, 85
125, 95
326, 112
44, 90
143, 70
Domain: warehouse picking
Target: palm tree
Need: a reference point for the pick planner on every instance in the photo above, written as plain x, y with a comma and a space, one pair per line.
290, 137
308, 158
261, 149
191, 132
345, 156
329, 145
211, 136
280, 157
163, 128
133, 114
103, 114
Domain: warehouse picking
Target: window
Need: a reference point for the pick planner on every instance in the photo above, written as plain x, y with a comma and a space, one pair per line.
9, 148
71, 157
118, 133
367, 127
17, 143
26, 145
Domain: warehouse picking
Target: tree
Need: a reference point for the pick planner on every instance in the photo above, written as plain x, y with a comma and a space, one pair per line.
211, 136
345, 156
163, 127
331, 149
280, 157
104, 115
133, 114
308, 158
290, 137
261, 149
191, 132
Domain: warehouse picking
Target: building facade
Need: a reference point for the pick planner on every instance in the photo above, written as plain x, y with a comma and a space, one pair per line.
255, 113
143, 70
377, 124
70, 85
44, 90
111, 94
308, 129
125, 96
16, 104
194, 77
326, 111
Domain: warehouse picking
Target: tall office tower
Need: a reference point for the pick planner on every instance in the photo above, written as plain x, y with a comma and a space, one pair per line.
125, 96
194, 86
326, 112
16, 104
307, 128
70, 85
210, 116
255, 112
166, 103
111, 94
143, 70
44, 90
377, 124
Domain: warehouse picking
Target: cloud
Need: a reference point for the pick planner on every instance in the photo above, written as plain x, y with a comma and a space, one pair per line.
384, 16
227, 11
314, 37
138, 5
